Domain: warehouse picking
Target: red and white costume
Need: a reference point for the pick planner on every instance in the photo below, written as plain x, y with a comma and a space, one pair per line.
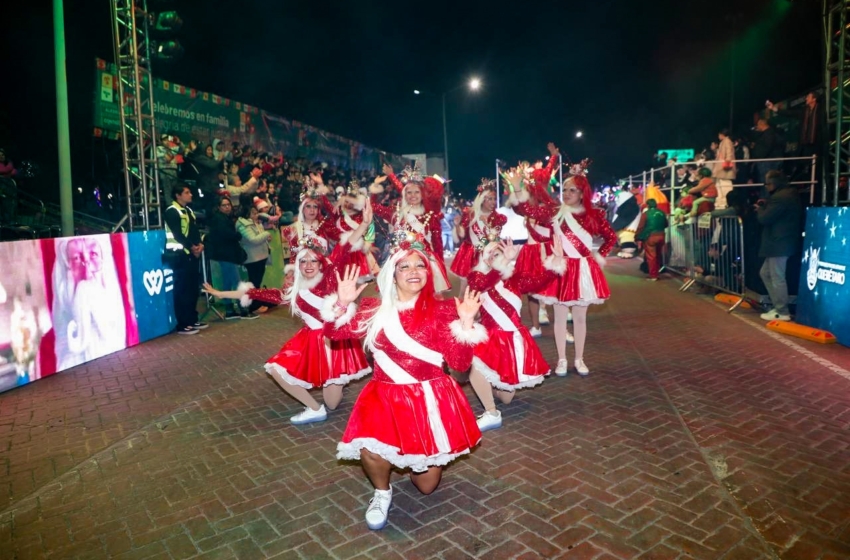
295, 232
509, 359
478, 231
342, 226
423, 221
411, 412
584, 282
308, 359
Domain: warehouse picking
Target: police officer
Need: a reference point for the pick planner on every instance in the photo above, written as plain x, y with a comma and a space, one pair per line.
183, 250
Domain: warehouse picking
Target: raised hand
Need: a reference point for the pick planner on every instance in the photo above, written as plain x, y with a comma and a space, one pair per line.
317, 179
347, 289
557, 245
552, 148
387, 169
380, 179
368, 213
509, 250
468, 308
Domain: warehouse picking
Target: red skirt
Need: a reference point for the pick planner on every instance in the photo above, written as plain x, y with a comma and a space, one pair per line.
465, 259
529, 264
397, 423
497, 359
582, 284
356, 258
309, 360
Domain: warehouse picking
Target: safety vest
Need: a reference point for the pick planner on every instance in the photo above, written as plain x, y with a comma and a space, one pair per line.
186, 217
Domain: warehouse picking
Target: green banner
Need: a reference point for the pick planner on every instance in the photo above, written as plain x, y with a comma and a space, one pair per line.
205, 117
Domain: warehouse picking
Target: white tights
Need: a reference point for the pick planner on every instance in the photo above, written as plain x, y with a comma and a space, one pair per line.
484, 391
579, 329
332, 394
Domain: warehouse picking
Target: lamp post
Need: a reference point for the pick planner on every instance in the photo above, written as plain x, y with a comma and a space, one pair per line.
474, 84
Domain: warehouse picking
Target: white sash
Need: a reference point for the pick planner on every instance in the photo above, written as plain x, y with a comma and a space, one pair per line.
507, 325
473, 237
414, 223
315, 302
349, 221
399, 338
392, 369
587, 289
542, 231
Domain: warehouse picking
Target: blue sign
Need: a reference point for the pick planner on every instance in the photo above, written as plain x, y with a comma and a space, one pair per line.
153, 282
823, 300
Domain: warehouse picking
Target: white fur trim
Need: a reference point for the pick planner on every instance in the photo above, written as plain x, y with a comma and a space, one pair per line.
328, 311
504, 266
417, 463
359, 202
546, 300
289, 268
476, 335
581, 302
482, 267
493, 377
242, 288
278, 370
600, 260
376, 188
345, 378
556, 264
352, 247
523, 196
406, 305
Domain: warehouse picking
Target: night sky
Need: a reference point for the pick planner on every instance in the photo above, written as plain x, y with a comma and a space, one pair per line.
633, 76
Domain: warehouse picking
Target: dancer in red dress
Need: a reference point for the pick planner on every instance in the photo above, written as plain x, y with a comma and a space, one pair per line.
345, 217
419, 211
510, 359
478, 227
576, 222
309, 224
308, 360
411, 415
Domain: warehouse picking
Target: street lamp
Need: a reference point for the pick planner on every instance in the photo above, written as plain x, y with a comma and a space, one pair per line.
579, 134
474, 84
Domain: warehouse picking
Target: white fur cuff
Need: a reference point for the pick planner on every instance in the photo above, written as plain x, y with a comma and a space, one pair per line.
376, 188
242, 289
476, 335
523, 196
599, 259
556, 264
511, 200
504, 266
328, 311
289, 268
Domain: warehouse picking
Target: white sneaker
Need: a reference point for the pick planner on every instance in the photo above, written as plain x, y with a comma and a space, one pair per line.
490, 421
561, 368
773, 315
581, 368
570, 338
543, 316
309, 415
379, 509
569, 317
535, 333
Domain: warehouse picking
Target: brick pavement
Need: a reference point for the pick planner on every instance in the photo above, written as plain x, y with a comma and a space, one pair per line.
696, 436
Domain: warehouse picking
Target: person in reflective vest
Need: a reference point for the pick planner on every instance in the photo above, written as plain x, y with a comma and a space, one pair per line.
183, 250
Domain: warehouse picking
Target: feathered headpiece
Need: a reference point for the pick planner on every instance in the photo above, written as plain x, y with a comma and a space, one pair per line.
411, 175
405, 239
486, 185
580, 168
312, 243
353, 188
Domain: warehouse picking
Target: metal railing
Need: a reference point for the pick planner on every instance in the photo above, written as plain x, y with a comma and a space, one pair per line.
710, 252
810, 181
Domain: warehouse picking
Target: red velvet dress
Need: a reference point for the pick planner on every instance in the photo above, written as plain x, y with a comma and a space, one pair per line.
411, 412
467, 255
584, 282
342, 225
427, 224
509, 359
308, 359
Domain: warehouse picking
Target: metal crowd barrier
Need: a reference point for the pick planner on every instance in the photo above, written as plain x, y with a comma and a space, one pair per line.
710, 252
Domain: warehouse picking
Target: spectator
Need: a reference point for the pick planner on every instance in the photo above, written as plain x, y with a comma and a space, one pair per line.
255, 241
724, 167
768, 144
183, 250
650, 231
7, 168
780, 216
705, 189
222, 246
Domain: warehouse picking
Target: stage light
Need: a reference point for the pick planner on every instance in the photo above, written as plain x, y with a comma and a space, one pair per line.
169, 50
168, 22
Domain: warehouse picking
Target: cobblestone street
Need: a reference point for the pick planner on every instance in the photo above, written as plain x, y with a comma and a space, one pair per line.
698, 434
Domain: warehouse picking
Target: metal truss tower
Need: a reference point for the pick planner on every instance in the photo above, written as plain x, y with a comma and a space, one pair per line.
131, 37
836, 16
